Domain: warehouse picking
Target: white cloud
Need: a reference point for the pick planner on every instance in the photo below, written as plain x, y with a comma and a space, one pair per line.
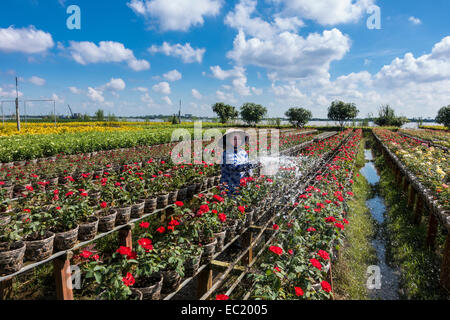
237, 74
162, 87
57, 98
9, 94
176, 15
257, 91
427, 68
74, 90
285, 54
27, 40
173, 75
37, 81
196, 94
86, 52
185, 52
141, 89
414, 20
115, 85
167, 100
327, 12
95, 95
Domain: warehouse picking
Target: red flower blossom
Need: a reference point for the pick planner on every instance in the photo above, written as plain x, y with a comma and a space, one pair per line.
339, 225
222, 217
323, 254
144, 225
179, 203
218, 198
298, 291
103, 205
128, 280
291, 252
330, 219
241, 209
85, 254
311, 229
345, 221
326, 286
146, 244
316, 263
276, 250
161, 230
222, 297
275, 227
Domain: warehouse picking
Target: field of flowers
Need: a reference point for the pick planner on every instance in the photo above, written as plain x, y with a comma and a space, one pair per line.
430, 165
439, 137
71, 199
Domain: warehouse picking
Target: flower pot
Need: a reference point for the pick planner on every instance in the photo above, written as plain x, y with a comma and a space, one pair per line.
9, 190
220, 237
191, 265
208, 251
173, 197
217, 180
38, 250
107, 223
150, 205
198, 188
190, 191
88, 230
182, 194
53, 181
12, 260
249, 218
240, 226
123, 216
137, 210
150, 286
163, 200
4, 220
171, 281
231, 230
211, 181
66, 240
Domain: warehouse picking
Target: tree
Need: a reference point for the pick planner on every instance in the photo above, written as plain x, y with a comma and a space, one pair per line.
225, 112
253, 113
342, 112
386, 117
100, 115
298, 117
112, 117
86, 117
443, 116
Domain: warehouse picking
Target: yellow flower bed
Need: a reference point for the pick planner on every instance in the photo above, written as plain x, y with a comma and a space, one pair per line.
10, 128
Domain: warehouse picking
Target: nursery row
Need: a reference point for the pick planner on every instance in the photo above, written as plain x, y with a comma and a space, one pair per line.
296, 264
431, 166
15, 177
438, 137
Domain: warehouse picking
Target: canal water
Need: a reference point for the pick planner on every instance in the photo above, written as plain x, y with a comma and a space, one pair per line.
390, 277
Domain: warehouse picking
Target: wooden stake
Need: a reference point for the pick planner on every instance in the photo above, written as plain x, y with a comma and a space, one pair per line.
63, 277
6, 289
411, 197
432, 230
445, 268
418, 210
126, 237
405, 184
247, 241
205, 281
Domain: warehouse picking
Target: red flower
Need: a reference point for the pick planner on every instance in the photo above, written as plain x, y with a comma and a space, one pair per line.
144, 225
125, 251
326, 286
277, 269
222, 217
276, 250
339, 225
298, 291
222, 297
84, 194
161, 230
27, 210
316, 263
241, 209
275, 227
218, 198
179, 203
345, 221
103, 205
291, 252
323, 254
128, 280
330, 219
85, 254
146, 244
311, 229
29, 188
68, 194
95, 257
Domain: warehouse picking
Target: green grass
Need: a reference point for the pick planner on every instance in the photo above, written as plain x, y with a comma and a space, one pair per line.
350, 269
407, 250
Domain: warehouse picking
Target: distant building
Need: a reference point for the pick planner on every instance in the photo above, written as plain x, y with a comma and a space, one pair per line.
188, 115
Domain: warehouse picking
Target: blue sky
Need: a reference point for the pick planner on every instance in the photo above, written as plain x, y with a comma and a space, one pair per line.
138, 57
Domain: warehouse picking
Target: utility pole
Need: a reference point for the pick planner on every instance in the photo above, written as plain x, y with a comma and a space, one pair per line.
17, 108
179, 114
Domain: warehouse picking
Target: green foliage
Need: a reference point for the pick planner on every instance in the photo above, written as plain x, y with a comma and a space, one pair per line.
298, 117
342, 112
225, 112
100, 115
253, 113
443, 116
386, 118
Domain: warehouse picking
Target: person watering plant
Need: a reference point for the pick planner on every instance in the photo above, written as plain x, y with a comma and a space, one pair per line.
235, 162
